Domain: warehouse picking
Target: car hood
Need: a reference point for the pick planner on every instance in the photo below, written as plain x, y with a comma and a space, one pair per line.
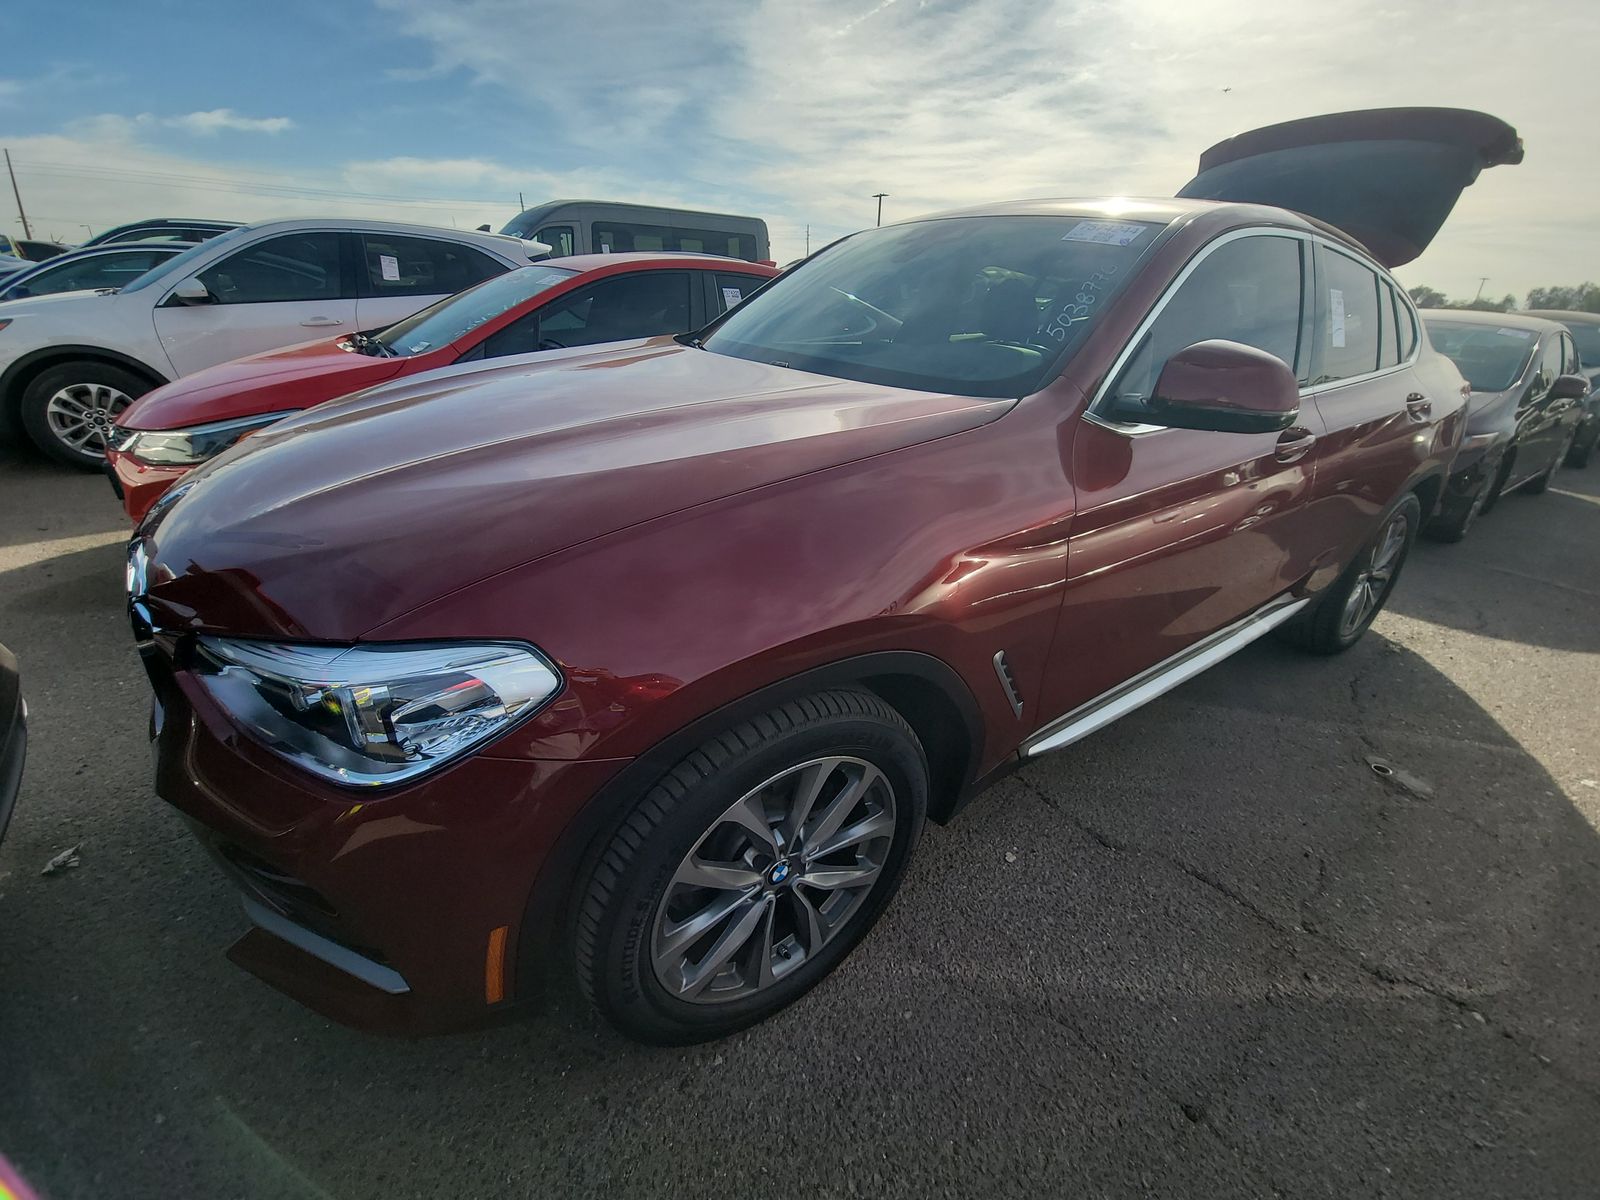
56, 303
330, 524
275, 381
1386, 176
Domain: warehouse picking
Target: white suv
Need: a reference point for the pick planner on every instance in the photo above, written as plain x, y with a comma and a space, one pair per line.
70, 362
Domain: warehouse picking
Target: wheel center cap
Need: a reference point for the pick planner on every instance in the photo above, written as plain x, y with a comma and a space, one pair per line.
778, 874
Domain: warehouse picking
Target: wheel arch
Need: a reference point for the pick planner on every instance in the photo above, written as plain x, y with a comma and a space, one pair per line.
19, 374
932, 697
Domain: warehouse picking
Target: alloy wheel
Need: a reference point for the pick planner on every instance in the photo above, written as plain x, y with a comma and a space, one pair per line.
80, 415
1372, 584
774, 879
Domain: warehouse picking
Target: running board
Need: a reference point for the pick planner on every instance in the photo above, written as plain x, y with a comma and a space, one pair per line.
1161, 678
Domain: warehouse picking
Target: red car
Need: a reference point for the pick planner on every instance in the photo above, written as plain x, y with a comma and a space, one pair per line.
647, 663
561, 302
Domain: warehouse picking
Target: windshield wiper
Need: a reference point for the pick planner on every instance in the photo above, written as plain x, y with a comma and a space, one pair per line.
370, 346
691, 340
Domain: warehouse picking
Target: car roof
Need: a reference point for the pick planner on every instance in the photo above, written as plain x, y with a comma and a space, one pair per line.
367, 225
1477, 316
1566, 316
660, 258
1158, 210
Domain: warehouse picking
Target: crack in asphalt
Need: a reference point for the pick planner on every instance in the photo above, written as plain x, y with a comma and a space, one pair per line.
1353, 955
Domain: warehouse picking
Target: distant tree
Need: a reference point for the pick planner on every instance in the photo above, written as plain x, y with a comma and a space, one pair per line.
1485, 304
1583, 298
1427, 297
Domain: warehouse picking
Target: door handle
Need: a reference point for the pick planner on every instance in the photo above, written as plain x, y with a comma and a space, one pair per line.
1418, 406
1294, 444
314, 322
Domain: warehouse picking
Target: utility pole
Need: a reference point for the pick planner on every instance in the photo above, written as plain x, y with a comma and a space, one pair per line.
26, 232
1482, 279
878, 196
808, 241
521, 204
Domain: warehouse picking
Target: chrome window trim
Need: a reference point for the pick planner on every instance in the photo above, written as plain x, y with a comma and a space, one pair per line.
1094, 411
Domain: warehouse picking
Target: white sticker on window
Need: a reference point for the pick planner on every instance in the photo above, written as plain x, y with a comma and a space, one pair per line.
390, 266
1110, 233
1336, 318
731, 296
605, 247
1516, 333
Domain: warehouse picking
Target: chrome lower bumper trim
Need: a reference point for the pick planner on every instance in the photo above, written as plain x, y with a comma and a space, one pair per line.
385, 979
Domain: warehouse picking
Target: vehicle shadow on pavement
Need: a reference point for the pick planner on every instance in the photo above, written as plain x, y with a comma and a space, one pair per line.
1207, 951
1533, 574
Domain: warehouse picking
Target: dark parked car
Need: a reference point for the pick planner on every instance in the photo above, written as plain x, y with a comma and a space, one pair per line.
87, 270
1526, 406
1585, 330
30, 249
651, 659
13, 735
163, 229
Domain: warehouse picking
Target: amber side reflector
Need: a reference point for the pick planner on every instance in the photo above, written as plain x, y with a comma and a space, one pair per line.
494, 966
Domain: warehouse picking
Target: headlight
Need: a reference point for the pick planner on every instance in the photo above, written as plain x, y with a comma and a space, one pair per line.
374, 714
186, 447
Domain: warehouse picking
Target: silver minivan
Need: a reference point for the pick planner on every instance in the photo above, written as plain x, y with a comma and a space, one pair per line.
602, 227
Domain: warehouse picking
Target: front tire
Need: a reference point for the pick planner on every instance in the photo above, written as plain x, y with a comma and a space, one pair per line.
68, 409
1540, 483
1347, 609
749, 871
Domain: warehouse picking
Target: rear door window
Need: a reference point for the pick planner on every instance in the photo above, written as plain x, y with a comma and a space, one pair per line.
733, 288
293, 266
611, 310
1348, 321
415, 266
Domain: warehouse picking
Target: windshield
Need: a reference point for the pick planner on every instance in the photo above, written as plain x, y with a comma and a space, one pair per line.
178, 265
1491, 358
444, 322
976, 306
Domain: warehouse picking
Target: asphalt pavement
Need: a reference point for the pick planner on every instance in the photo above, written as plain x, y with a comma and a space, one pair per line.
1207, 952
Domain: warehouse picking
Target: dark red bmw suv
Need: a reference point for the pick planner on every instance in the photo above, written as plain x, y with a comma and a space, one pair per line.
648, 661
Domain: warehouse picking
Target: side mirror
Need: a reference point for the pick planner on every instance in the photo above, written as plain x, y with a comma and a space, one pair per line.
192, 291
1225, 387
1569, 387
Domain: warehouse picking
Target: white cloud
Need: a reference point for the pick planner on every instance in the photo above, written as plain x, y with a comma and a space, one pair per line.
806, 109
110, 126
218, 120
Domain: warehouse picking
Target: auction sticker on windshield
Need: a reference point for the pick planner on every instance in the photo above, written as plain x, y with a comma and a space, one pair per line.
1110, 233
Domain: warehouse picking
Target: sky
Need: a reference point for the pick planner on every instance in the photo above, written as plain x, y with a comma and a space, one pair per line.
443, 111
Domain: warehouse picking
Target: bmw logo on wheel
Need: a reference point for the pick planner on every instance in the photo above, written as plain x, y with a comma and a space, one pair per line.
778, 874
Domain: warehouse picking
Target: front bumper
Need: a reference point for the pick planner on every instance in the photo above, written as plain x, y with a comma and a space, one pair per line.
402, 911
139, 484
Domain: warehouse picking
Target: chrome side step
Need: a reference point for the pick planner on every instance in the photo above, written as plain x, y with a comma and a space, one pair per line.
1161, 678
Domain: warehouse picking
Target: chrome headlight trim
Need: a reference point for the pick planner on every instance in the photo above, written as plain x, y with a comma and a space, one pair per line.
375, 714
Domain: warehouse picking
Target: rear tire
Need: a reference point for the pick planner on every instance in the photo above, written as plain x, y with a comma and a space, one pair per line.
717, 903
67, 410
1346, 610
